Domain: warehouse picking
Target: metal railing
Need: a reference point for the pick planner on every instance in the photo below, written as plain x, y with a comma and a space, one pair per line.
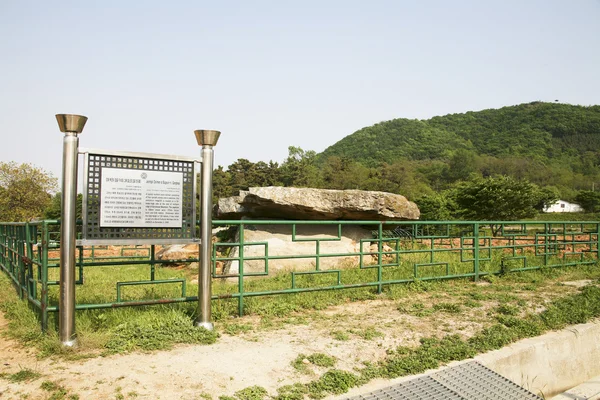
267, 258
396, 252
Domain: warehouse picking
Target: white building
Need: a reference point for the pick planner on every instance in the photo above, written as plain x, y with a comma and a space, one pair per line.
563, 206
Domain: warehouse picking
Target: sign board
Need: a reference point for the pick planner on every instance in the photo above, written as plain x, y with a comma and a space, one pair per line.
138, 198
148, 199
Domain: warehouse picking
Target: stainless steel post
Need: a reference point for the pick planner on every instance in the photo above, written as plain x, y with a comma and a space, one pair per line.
207, 139
70, 125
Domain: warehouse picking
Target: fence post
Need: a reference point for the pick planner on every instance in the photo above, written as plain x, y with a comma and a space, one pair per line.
45, 236
70, 125
207, 139
597, 242
380, 259
476, 250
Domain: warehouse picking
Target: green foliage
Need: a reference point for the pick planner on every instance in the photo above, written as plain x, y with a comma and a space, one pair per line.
340, 335
450, 308
156, 330
369, 333
507, 309
545, 143
501, 198
251, 393
334, 381
235, 329
57, 391
23, 375
554, 146
24, 191
437, 207
53, 210
321, 360
301, 362
292, 392
300, 169
590, 201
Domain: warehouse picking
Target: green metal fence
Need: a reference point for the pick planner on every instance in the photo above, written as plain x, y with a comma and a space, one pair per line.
267, 258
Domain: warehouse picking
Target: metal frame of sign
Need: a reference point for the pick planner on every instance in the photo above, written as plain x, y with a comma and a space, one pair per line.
92, 232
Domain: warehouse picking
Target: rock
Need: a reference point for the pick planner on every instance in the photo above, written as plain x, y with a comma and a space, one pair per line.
277, 240
316, 204
178, 252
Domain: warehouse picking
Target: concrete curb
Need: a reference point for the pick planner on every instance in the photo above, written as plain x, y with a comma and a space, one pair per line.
552, 363
546, 365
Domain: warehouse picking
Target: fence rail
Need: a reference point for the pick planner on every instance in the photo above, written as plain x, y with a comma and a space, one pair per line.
267, 258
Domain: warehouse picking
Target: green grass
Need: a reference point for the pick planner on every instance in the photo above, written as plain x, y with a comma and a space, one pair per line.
251, 393
159, 327
301, 362
57, 392
23, 375
369, 333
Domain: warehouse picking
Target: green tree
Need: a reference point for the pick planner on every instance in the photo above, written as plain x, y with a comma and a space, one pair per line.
344, 173
53, 210
437, 207
221, 184
590, 201
25, 191
300, 169
500, 198
461, 166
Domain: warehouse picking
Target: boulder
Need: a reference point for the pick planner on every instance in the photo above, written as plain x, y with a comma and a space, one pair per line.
178, 252
277, 241
316, 204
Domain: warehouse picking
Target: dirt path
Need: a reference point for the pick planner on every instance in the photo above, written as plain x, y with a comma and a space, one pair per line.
260, 358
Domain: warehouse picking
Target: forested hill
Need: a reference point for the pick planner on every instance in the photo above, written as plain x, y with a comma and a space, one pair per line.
545, 132
556, 147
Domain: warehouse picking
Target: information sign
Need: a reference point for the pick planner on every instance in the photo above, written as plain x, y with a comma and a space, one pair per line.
138, 198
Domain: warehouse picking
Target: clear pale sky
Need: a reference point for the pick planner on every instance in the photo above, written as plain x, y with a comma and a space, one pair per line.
270, 74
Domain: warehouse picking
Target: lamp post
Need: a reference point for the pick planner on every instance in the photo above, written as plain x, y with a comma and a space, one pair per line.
71, 126
207, 139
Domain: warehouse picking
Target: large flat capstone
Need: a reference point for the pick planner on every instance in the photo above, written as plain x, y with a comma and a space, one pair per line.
316, 204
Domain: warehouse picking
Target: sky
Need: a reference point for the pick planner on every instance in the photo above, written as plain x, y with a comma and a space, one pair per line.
273, 74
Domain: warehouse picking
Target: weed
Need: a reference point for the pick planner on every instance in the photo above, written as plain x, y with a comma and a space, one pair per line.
24, 375
334, 381
451, 308
368, 373
507, 309
340, 335
156, 330
251, 393
292, 392
472, 303
49, 386
321, 360
299, 363
369, 333
235, 329
58, 391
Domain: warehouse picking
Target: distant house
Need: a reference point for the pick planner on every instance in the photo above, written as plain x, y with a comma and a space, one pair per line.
563, 206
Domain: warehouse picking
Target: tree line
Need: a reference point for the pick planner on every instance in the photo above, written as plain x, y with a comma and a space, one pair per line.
28, 193
502, 164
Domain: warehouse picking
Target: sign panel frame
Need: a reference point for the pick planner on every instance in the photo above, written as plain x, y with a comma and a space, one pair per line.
124, 167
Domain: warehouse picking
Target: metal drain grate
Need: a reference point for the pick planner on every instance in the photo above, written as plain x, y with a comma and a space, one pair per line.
468, 381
